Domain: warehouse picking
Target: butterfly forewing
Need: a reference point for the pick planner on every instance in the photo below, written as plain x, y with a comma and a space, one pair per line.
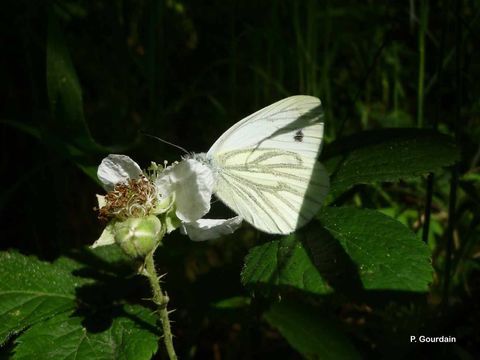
276, 126
265, 173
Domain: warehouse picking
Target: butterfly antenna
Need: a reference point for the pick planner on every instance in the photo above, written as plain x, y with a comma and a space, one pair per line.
166, 142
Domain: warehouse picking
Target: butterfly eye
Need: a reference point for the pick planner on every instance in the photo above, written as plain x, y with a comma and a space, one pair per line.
298, 136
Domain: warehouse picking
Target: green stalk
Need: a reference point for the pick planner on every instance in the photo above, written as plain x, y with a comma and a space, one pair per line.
421, 62
300, 46
233, 62
452, 201
161, 300
326, 69
311, 48
420, 102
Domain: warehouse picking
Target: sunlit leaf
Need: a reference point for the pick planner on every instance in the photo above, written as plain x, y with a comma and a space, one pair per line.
388, 255
284, 263
360, 249
55, 305
30, 291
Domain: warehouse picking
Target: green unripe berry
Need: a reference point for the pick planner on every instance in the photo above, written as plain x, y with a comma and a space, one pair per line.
138, 236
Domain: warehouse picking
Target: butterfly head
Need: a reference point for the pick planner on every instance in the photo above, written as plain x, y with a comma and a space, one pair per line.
205, 159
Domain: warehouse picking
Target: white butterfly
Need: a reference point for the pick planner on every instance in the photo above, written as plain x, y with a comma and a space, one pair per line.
265, 166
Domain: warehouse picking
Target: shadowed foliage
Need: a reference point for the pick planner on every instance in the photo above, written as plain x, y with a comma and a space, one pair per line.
393, 252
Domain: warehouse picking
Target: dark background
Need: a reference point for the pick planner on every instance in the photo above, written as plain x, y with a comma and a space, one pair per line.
187, 70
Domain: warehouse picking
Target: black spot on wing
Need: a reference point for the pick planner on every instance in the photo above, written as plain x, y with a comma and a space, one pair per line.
298, 136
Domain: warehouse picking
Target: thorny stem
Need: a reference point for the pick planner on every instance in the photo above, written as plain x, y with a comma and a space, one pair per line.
161, 300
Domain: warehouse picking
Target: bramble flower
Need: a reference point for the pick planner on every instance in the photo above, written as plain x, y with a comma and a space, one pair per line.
178, 195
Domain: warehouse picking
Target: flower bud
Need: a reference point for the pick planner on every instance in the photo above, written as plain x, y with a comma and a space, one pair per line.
138, 236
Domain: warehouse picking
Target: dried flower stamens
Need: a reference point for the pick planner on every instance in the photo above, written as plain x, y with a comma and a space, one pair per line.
134, 198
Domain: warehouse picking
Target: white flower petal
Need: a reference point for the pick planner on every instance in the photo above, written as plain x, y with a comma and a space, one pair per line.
101, 201
116, 169
192, 183
207, 229
165, 186
106, 238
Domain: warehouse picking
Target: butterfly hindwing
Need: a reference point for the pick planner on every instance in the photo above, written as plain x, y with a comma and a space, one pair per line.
267, 168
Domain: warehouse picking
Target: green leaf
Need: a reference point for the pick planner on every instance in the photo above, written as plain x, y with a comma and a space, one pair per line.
473, 177
388, 255
235, 302
63, 87
39, 299
31, 291
90, 171
356, 249
283, 263
130, 336
387, 155
311, 332
23, 127
104, 260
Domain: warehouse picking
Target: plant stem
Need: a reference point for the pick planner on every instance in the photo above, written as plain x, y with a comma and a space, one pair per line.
454, 180
421, 62
161, 300
420, 103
